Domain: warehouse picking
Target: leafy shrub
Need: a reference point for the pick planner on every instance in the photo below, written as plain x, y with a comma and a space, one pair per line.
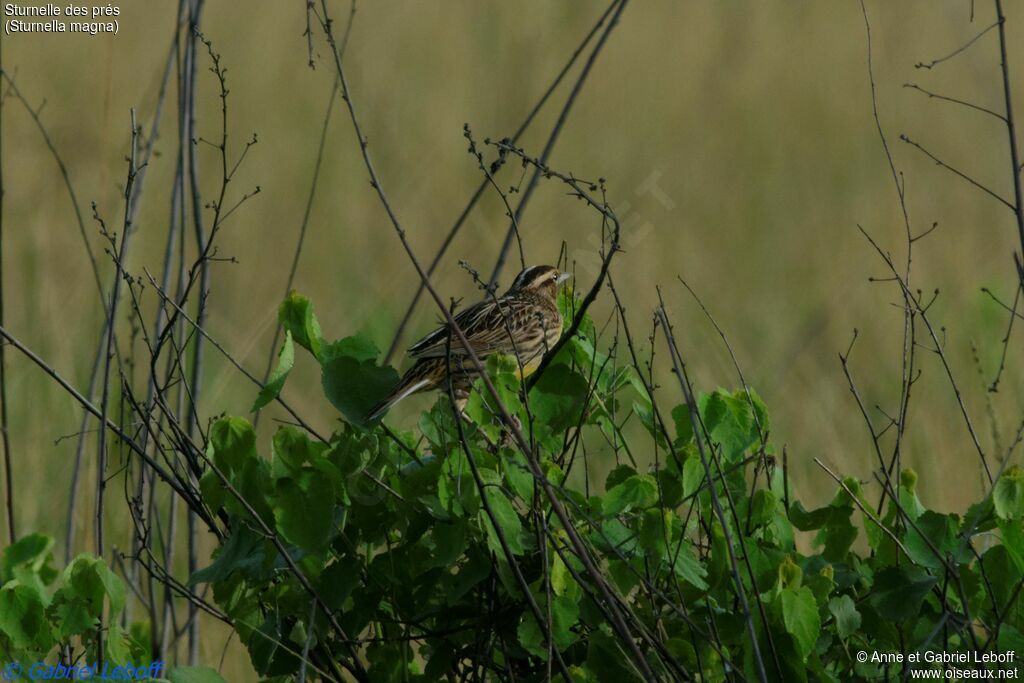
430, 554
44, 612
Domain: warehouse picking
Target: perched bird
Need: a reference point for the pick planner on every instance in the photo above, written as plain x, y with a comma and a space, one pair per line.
524, 322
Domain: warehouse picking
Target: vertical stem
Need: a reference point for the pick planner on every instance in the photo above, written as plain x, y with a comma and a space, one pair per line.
1011, 129
513, 228
101, 468
195, 10
684, 382
4, 424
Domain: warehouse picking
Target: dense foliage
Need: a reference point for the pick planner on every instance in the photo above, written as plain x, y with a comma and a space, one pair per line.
421, 543
45, 613
452, 550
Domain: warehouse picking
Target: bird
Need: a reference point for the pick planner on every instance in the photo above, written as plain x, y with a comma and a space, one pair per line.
524, 322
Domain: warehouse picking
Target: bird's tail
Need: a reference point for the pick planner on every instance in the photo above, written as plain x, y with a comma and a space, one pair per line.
416, 379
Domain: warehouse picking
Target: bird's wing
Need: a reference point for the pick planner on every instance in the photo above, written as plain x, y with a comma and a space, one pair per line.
486, 326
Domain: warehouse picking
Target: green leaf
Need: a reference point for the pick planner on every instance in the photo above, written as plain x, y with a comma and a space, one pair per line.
1012, 534
194, 674
297, 318
562, 581
607, 661
339, 579
232, 442
119, 646
1008, 494
352, 380
729, 421
285, 361
565, 614
898, 592
518, 475
558, 398
242, 552
683, 422
449, 543
508, 519
357, 346
693, 474
619, 474
688, 567
941, 531
844, 610
808, 521
23, 618
800, 616
837, 535
636, 492
89, 578
658, 530
29, 560
304, 509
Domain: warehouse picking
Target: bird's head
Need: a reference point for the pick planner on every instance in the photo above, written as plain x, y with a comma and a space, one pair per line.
543, 280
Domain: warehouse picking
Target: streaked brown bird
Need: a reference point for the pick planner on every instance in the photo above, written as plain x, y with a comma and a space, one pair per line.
524, 322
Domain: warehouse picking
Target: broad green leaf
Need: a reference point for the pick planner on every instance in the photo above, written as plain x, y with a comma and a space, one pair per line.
644, 410
846, 615
636, 492
292, 450
89, 578
837, 535
800, 615
791, 576
558, 398
34, 550
285, 362
241, 552
607, 661
898, 592
232, 443
449, 543
1008, 494
729, 421
619, 474
339, 579
353, 382
940, 532
74, 617
518, 475
508, 519
565, 614
359, 347
304, 509
808, 521
1012, 534
23, 618
686, 566
693, 474
684, 424
658, 530
120, 648
297, 317
29, 561
562, 581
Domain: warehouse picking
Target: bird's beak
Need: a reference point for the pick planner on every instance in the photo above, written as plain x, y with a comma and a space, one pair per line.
562, 277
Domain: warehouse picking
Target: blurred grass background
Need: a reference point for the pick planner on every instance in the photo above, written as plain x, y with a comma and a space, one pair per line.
753, 121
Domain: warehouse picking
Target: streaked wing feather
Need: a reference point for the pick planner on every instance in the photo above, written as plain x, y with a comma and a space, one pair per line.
486, 326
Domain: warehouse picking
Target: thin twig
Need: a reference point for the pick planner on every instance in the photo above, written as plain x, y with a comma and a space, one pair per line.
464, 214
550, 145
